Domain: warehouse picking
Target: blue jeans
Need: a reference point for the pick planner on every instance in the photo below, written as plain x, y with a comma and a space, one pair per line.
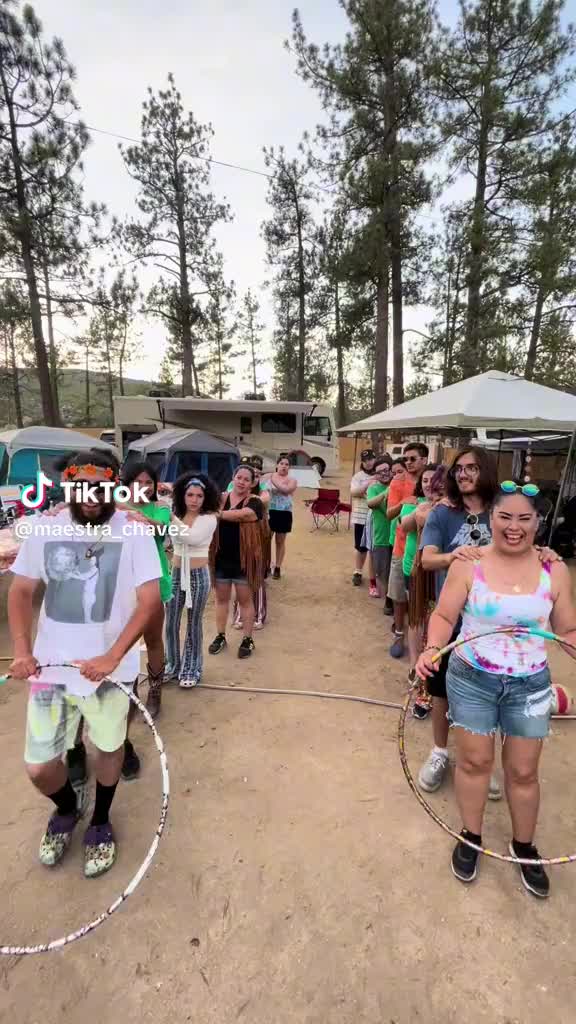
482, 702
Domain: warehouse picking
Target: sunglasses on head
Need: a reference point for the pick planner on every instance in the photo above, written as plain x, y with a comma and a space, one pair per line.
528, 490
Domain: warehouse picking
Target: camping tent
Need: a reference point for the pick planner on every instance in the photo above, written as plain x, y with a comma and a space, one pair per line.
176, 450
24, 451
493, 400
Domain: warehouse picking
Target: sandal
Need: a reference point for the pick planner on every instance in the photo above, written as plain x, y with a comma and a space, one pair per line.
99, 850
57, 838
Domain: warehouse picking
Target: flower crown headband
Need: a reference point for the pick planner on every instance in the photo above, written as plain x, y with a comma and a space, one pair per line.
90, 470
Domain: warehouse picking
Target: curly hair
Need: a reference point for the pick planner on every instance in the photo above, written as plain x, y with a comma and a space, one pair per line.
131, 472
211, 493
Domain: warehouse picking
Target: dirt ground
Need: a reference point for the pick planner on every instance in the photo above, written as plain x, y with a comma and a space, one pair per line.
298, 880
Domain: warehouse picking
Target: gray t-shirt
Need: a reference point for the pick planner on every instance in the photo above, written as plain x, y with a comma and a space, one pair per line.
448, 528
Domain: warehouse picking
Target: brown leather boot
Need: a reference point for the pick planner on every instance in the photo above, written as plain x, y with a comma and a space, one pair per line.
154, 698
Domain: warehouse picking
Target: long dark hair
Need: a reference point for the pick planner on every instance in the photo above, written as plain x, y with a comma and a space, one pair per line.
133, 471
486, 481
211, 494
431, 467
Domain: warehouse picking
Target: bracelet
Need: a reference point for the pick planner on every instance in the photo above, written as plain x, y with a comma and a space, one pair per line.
431, 647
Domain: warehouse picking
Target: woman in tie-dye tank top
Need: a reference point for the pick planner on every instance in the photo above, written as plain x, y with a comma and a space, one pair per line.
501, 683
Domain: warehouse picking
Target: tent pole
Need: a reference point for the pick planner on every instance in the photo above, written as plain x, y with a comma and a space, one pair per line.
355, 453
563, 482
499, 453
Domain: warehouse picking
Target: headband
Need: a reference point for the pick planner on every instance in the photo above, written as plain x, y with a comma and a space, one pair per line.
198, 483
90, 470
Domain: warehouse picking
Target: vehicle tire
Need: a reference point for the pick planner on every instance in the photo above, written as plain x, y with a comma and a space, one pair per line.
320, 465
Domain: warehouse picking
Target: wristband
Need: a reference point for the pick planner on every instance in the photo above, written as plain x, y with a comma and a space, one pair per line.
431, 647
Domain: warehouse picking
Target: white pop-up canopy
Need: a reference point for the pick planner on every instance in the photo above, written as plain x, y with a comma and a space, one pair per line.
492, 400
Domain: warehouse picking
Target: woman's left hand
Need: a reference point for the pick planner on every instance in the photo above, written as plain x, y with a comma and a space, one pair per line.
548, 555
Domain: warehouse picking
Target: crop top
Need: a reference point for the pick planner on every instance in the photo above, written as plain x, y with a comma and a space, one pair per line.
193, 542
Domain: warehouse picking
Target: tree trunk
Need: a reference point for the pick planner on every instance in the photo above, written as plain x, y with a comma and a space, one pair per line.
447, 374
476, 253
23, 234
341, 401
535, 334
186, 313
51, 342
15, 378
301, 383
381, 340
253, 350
397, 332
87, 384
121, 358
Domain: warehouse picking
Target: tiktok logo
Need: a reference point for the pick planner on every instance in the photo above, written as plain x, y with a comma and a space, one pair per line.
38, 489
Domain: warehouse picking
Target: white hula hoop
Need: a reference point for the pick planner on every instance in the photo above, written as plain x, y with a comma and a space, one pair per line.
48, 947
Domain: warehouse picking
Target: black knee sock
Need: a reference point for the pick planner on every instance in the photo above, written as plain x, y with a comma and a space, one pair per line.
102, 804
65, 799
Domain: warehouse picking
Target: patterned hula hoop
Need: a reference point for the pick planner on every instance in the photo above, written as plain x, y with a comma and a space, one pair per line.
48, 947
518, 631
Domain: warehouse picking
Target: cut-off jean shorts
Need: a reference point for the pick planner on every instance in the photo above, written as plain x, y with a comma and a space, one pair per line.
482, 702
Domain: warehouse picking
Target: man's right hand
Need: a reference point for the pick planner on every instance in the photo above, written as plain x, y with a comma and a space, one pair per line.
24, 666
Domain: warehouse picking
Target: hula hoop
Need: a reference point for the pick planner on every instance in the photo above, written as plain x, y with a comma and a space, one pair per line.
48, 947
519, 631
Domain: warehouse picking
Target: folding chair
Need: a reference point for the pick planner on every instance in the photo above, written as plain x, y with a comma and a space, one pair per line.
325, 509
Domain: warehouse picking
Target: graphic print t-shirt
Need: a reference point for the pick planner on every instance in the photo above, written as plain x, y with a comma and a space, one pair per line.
91, 582
447, 529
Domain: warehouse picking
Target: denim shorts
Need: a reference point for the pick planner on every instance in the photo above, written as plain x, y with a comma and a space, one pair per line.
482, 702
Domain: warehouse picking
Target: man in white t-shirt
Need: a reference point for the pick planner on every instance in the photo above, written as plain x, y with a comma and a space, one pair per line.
359, 484
101, 577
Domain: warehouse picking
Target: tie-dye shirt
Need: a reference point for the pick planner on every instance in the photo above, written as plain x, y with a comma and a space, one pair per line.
485, 610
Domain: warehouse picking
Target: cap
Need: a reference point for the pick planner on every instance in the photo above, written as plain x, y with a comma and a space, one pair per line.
367, 454
246, 460
257, 462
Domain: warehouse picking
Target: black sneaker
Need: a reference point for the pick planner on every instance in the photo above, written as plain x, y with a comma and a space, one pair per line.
357, 579
533, 876
464, 860
246, 647
131, 762
218, 644
77, 766
276, 575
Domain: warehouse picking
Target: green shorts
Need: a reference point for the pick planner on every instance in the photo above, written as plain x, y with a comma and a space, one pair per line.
54, 715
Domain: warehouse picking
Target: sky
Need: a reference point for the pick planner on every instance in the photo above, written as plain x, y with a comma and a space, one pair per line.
232, 69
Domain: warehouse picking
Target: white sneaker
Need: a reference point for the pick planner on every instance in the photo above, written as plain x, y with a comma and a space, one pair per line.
431, 775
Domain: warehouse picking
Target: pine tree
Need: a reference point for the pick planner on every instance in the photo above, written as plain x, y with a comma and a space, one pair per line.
250, 329
218, 329
374, 86
178, 213
289, 234
500, 74
39, 146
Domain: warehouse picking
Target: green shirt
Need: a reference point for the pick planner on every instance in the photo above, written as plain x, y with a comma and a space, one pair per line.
380, 522
411, 538
158, 513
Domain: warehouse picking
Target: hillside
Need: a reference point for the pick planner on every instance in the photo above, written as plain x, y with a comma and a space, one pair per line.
72, 393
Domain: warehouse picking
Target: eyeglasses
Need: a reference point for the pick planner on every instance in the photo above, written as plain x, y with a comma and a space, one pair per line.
470, 468
473, 521
528, 490
411, 458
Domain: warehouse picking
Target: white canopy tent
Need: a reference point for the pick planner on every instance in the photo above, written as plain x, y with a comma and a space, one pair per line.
492, 400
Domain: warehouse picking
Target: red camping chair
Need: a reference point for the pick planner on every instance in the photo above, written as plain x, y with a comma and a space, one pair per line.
326, 509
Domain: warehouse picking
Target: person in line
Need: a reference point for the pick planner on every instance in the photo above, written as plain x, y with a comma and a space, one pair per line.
454, 529
501, 682
102, 593
195, 508
259, 597
421, 590
237, 557
359, 485
282, 488
377, 496
409, 524
415, 457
